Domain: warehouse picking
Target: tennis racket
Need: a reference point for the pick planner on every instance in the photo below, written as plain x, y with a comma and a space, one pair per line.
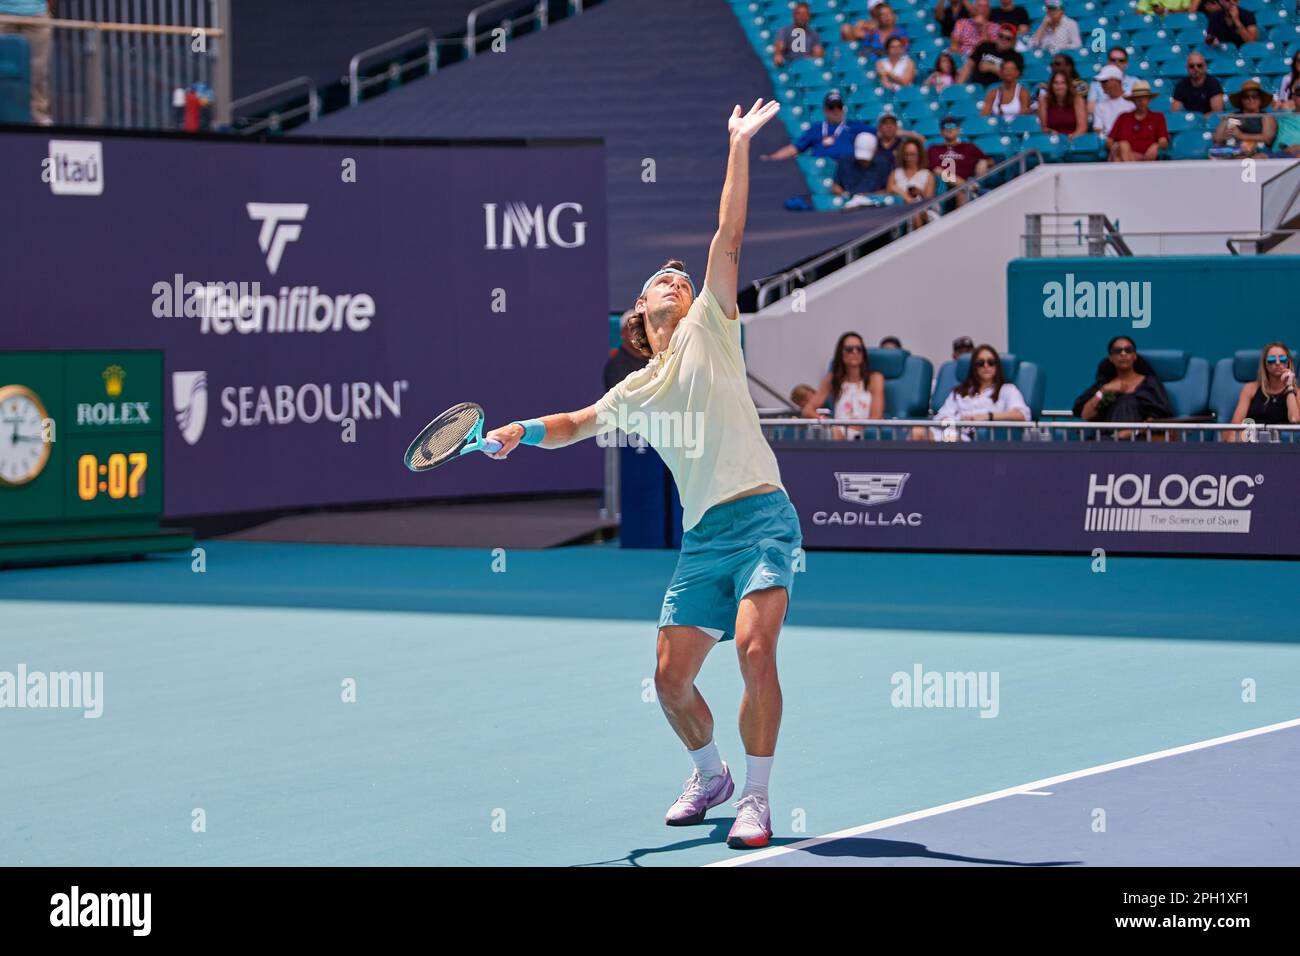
457, 431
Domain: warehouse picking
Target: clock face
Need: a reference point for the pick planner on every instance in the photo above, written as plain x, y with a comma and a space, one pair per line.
23, 449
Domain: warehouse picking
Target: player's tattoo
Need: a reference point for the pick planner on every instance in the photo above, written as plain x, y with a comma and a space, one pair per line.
733, 254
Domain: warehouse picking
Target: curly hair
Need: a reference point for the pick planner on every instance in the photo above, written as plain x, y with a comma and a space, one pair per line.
636, 331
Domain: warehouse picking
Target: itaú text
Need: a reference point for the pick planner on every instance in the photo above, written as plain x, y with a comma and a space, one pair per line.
1203, 491
867, 518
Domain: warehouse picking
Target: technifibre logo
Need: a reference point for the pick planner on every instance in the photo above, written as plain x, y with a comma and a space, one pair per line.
1139, 502
279, 227
1083, 299
522, 227
869, 489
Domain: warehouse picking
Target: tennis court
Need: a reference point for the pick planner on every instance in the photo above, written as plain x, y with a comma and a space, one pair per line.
507, 717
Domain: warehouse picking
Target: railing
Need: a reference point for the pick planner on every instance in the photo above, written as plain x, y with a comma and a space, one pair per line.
952, 430
1091, 230
539, 15
119, 63
781, 285
278, 94
396, 71
1170, 243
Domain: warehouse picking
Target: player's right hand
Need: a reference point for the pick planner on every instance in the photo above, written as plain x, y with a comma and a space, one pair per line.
508, 436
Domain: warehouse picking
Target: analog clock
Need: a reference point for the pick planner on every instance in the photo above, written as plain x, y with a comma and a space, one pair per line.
23, 449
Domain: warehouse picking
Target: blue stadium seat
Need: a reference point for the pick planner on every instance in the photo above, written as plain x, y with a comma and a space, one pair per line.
1180, 122
907, 381
1051, 145
15, 80
1086, 149
1185, 377
1192, 144
1229, 375
1026, 376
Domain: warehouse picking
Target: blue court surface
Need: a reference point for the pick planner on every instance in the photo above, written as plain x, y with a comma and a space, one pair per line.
507, 717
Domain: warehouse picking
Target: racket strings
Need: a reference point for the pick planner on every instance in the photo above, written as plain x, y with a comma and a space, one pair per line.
445, 436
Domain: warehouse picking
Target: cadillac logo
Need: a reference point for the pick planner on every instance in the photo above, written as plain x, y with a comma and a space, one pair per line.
870, 488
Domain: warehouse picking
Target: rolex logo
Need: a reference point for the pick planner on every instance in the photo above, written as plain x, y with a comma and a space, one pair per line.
113, 376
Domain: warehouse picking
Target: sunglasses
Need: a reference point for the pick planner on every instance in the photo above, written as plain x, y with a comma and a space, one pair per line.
1119, 59
853, 348
1123, 350
986, 363
1278, 360
1196, 66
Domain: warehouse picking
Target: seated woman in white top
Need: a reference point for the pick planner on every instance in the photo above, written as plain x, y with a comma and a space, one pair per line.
895, 68
1008, 98
911, 180
855, 390
985, 396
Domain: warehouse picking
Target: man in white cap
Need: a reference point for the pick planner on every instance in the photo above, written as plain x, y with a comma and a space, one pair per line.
1057, 32
1112, 102
866, 172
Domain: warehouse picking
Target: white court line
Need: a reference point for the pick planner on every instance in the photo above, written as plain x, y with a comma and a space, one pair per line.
1035, 793
999, 794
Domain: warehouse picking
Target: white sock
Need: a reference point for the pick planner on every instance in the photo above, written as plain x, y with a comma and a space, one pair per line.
757, 771
707, 760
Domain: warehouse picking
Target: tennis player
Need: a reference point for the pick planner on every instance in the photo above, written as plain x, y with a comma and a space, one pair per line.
734, 574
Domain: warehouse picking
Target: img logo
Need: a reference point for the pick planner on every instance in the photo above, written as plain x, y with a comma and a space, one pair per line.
190, 399
1084, 299
521, 227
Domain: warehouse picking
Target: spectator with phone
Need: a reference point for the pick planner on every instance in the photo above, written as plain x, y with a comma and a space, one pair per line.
1125, 389
1271, 399
985, 396
1249, 127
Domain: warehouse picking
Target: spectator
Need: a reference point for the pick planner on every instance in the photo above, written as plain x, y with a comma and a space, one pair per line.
627, 358
895, 69
943, 75
1288, 93
911, 181
1118, 58
985, 63
948, 12
1112, 102
891, 342
1160, 7
866, 172
832, 139
985, 396
1226, 23
1250, 127
962, 345
854, 390
1138, 136
1064, 63
1057, 31
876, 38
1061, 109
1008, 99
1125, 389
974, 30
1009, 11
39, 40
1197, 92
799, 396
890, 135
1270, 399
798, 39
955, 162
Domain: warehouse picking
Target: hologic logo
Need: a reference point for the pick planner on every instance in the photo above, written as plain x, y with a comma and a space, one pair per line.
1139, 502
869, 489
521, 227
1098, 300
279, 227
190, 398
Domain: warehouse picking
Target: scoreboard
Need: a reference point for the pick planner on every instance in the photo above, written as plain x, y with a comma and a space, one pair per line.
81, 456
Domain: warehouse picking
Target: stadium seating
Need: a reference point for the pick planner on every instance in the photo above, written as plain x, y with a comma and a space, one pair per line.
15, 80
1158, 48
1026, 376
1186, 379
907, 381
1229, 375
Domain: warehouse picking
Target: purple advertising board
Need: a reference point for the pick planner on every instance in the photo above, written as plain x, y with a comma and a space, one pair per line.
317, 302
1175, 498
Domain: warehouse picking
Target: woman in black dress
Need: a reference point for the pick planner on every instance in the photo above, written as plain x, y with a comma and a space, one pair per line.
1126, 389
1270, 399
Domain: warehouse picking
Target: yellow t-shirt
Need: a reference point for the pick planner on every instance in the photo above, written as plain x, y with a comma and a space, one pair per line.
692, 404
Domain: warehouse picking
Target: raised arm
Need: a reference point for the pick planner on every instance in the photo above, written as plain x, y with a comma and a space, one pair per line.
566, 428
724, 252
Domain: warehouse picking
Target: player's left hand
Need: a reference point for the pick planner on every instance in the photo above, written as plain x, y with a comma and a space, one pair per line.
744, 127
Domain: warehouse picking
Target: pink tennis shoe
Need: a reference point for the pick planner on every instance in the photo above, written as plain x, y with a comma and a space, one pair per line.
700, 795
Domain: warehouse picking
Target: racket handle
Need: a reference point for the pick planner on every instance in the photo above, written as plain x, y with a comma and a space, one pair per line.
491, 446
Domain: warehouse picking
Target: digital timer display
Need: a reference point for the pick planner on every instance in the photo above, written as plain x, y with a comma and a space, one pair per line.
122, 476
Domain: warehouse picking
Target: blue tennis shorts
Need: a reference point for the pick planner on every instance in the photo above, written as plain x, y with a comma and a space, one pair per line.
739, 546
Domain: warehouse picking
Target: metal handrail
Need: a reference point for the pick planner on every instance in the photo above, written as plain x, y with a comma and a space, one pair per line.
540, 14
1041, 427
784, 279
273, 121
355, 83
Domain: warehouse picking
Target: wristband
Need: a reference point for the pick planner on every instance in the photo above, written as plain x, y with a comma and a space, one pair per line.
534, 431
1099, 397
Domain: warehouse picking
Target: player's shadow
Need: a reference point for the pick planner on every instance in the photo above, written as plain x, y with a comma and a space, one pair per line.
717, 836
874, 849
